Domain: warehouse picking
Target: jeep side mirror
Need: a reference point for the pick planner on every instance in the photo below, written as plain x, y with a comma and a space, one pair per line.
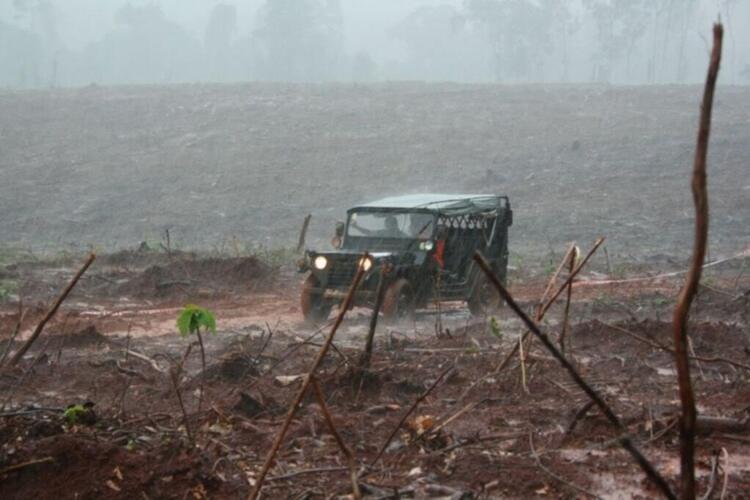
339, 229
509, 218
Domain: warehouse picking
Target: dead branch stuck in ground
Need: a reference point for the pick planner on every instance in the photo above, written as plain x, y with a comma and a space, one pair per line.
542, 310
38, 330
345, 306
303, 233
409, 412
364, 360
356, 493
568, 297
16, 331
624, 439
685, 299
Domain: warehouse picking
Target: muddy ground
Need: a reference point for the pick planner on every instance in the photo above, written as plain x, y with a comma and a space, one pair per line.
230, 172
222, 166
114, 343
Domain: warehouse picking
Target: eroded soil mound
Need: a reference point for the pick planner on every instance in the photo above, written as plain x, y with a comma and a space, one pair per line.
209, 274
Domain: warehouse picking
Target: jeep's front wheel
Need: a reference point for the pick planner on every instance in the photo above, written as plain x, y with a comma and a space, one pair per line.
314, 307
399, 301
484, 299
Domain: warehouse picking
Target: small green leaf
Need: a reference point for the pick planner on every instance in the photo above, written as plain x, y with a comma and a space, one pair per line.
495, 328
209, 322
193, 317
183, 322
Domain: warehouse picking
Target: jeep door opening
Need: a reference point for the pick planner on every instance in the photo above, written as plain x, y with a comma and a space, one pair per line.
424, 241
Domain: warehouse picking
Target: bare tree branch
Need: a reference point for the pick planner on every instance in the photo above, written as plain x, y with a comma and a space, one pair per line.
685, 299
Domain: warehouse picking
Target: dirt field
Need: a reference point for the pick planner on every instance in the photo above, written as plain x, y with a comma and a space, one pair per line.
220, 164
114, 344
231, 171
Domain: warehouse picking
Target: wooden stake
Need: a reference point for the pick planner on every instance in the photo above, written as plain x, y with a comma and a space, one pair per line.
303, 233
685, 299
568, 296
364, 359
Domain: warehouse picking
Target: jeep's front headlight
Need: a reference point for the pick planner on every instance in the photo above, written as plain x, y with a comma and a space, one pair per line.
426, 246
366, 263
320, 262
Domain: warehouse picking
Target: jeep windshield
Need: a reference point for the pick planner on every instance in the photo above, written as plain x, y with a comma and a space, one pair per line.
391, 225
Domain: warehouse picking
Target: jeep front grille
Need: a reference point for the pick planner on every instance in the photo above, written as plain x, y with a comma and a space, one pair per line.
342, 274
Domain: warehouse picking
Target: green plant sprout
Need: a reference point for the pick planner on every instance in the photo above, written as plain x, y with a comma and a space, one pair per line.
73, 414
190, 321
494, 325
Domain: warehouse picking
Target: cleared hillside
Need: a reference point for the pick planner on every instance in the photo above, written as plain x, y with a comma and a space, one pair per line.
114, 166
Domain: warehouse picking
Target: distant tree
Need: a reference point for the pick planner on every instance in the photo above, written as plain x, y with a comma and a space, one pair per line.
144, 47
299, 40
364, 68
41, 17
440, 45
222, 27
520, 34
619, 26
565, 24
21, 56
220, 33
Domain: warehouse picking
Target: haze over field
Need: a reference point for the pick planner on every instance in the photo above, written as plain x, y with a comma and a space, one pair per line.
52, 43
249, 115
111, 167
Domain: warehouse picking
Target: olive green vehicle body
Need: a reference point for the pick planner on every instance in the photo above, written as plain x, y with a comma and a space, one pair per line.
415, 263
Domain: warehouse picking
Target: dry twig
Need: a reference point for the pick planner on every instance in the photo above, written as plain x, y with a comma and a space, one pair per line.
16, 331
174, 375
38, 330
356, 493
409, 412
553, 475
23, 465
657, 345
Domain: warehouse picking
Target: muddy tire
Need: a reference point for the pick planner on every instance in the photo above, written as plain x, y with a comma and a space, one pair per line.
485, 299
314, 308
398, 301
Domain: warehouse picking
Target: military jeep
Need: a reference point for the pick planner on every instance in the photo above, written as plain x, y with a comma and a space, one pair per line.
421, 244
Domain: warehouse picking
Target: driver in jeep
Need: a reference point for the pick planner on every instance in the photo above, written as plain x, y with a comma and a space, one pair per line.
390, 229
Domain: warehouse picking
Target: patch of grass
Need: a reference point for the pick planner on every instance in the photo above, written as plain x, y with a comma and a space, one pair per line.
12, 255
276, 257
8, 289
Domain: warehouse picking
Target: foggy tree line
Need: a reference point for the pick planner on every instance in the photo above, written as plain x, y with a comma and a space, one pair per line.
616, 41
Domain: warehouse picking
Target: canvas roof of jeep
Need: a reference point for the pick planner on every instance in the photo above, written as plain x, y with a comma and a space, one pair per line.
449, 204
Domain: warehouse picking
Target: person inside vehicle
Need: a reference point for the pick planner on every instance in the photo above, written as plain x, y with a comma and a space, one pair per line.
439, 254
389, 230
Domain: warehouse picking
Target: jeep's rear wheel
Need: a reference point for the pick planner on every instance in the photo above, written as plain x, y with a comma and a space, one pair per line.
314, 307
399, 301
485, 299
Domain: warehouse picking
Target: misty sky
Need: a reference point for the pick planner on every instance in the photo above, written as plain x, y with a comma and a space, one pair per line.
366, 21
508, 41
